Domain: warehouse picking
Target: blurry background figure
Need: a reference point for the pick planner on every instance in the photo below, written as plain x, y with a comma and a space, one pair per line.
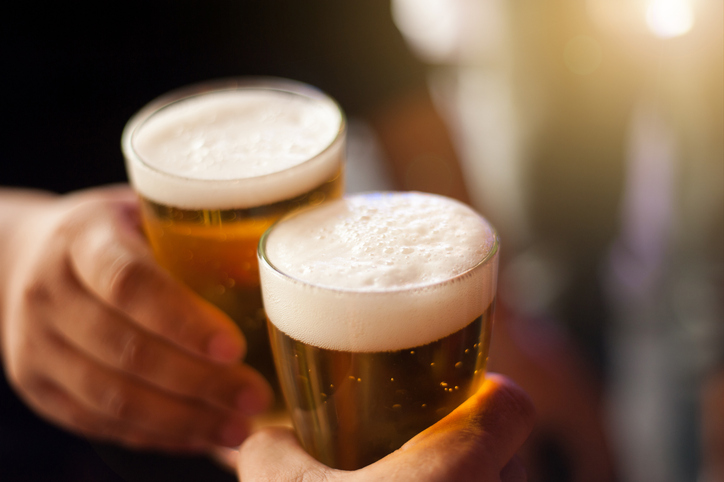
591, 135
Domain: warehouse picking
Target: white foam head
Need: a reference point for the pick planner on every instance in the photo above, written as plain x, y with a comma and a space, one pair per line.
378, 272
234, 147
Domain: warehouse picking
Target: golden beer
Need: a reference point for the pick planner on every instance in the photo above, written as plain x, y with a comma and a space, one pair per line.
352, 409
366, 364
204, 218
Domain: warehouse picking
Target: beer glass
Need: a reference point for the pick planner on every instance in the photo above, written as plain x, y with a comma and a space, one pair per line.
379, 308
214, 166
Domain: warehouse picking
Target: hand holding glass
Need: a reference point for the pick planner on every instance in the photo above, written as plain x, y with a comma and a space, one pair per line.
380, 308
215, 165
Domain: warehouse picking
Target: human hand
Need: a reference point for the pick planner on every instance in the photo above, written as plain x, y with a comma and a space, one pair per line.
477, 441
97, 338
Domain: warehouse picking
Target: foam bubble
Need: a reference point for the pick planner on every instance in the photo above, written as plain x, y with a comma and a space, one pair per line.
234, 148
379, 272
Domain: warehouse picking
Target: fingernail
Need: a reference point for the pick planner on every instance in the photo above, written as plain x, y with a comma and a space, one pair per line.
250, 403
233, 434
223, 348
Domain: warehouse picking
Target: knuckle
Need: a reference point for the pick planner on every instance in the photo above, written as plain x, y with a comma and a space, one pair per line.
78, 213
135, 354
125, 278
109, 397
118, 403
36, 293
186, 328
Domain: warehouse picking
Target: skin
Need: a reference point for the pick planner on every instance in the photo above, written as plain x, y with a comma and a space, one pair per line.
418, 147
547, 365
712, 426
566, 393
476, 442
84, 342
96, 338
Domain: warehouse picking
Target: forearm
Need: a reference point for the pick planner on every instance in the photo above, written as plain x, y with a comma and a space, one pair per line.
712, 426
417, 144
15, 206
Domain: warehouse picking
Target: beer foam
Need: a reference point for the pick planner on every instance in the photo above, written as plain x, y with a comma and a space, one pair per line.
236, 148
379, 271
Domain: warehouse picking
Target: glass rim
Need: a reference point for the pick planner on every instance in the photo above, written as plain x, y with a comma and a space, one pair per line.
176, 96
263, 258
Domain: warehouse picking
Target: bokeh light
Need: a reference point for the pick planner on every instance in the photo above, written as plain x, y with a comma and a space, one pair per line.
669, 18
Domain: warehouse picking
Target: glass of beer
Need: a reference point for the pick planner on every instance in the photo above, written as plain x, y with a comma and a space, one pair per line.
380, 308
214, 166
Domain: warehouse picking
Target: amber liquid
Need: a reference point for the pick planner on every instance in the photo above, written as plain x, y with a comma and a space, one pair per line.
351, 409
214, 253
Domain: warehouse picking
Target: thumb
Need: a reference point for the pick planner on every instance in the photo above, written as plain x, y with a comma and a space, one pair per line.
474, 442
275, 454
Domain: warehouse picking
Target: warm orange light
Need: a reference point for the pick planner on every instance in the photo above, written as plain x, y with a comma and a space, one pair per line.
669, 18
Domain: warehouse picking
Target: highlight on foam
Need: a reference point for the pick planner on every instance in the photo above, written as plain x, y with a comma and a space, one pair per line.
234, 144
378, 271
